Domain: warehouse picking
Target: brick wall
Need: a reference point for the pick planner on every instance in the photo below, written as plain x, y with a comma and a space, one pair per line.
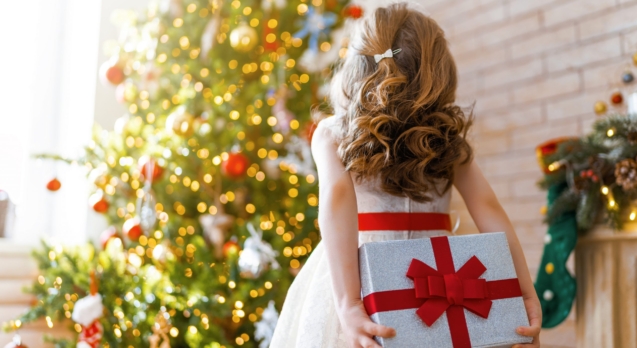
534, 69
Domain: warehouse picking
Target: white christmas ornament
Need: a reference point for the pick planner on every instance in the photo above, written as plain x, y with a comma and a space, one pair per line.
150, 79
264, 329
268, 4
632, 105
283, 115
316, 61
215, 228
299, 156
172, 7
257, 255
146, 203
88, 309
209, 36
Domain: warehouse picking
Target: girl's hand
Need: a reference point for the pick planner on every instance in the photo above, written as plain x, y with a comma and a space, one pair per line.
534, 311
359, 329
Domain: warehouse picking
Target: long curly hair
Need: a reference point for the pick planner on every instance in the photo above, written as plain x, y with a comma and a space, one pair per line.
398, 117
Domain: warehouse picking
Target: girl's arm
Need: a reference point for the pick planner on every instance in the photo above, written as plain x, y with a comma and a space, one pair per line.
489, 216
339, 229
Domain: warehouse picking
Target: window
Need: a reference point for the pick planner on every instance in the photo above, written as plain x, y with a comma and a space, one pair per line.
47, 91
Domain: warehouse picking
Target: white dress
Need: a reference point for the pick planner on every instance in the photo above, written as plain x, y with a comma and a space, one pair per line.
308, 318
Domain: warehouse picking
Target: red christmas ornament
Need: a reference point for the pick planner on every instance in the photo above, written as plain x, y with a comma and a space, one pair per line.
108, 235
53, 185
112, 73
616, 98
353, 11
231, 248
270, 43
235, 166
309, 131
132, 229
98, 202
146, 164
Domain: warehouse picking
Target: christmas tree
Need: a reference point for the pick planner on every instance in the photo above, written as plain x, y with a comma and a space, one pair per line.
208, 183
589, 180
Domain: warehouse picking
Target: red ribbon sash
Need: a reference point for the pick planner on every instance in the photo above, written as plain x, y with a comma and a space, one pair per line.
445, 290
403, 221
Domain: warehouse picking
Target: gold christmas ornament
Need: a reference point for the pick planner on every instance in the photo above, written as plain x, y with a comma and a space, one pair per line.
243, 38
600, 108
180, 122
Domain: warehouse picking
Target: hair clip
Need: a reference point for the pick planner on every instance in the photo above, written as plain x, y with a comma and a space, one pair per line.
388, 54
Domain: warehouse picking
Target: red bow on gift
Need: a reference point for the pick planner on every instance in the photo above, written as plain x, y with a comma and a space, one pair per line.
462, 288
445, 290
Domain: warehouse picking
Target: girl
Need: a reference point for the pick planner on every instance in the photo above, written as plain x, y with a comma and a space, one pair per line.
397, 143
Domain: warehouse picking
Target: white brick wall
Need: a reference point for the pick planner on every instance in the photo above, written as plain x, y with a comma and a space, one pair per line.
534, 69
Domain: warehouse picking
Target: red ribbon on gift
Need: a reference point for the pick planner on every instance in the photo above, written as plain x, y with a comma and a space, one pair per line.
445, 290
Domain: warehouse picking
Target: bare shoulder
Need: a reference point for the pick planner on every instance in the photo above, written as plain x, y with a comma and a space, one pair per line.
325, 132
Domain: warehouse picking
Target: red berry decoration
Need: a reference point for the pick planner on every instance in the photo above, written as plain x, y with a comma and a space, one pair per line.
353, 11
98, 202
111, 73
53, 185
133, 229
145, 164
108, 235
616, 98
235, 166
231, 248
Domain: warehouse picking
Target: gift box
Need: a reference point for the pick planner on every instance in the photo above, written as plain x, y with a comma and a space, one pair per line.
456, 292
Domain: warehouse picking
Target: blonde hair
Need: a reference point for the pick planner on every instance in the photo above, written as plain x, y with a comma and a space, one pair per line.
398, 117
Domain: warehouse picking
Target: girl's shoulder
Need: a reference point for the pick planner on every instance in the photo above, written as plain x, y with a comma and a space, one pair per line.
329, 128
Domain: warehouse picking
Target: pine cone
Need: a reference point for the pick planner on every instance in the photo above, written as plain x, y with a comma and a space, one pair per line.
626, 174
580, 183
632, 137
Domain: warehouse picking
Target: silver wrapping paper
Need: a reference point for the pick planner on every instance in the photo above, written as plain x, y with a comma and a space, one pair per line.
383, 267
